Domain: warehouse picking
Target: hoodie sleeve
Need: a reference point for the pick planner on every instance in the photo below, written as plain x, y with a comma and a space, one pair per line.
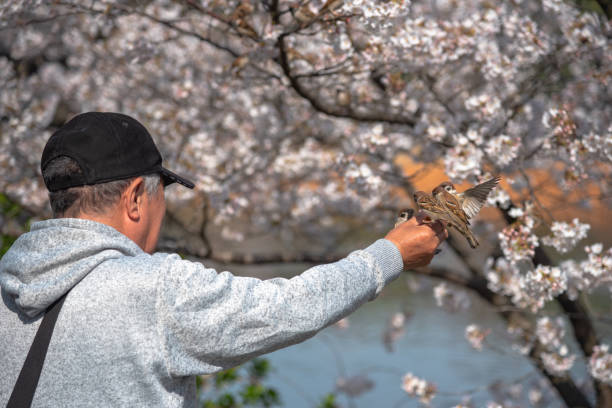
211, 321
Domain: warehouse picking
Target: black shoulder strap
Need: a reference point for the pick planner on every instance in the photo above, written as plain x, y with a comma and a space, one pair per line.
25, 387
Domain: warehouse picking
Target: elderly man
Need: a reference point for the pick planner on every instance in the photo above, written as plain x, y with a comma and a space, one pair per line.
136, 326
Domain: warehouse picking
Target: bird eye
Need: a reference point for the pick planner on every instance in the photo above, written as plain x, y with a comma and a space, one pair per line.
448, 188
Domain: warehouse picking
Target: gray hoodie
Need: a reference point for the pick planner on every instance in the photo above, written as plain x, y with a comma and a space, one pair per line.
136, 328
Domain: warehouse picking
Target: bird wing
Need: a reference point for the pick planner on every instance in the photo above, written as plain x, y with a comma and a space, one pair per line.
437, 211
454, 207
474, 198
428, 203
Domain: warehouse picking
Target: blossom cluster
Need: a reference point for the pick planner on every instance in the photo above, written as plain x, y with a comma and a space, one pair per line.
579, 29
362, 178
550, 331
579, 150
483, 106
589, 273
504, 149
599, 145
376, 13
450, 299
530, 289
475, 335
499, 197
464, 160
518, 240
600, 364
394, 330
503, 277
418, 387
565, 235
543, 284
558, 364
523, 338
556, 357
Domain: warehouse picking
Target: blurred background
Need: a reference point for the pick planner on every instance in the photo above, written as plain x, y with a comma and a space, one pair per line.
308, 125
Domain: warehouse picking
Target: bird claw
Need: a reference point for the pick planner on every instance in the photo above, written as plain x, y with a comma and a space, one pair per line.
424, 219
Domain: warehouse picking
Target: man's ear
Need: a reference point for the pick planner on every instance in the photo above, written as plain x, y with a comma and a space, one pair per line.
132, 199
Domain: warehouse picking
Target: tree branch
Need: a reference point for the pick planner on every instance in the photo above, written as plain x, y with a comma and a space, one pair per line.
565, 386
334, 109
580, 320
606, 6
584, 330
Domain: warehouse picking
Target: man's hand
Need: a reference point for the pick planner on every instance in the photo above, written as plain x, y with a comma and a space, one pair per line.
417, 242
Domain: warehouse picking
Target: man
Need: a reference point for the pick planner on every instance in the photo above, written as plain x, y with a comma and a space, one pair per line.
137, 326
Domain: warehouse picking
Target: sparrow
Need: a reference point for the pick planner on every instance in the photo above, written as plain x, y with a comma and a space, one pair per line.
437, 210
404, 216
472, 199
451, 202
432, 209
464, 206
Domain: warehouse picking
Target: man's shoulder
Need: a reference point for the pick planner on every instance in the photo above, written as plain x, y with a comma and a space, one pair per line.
145, 263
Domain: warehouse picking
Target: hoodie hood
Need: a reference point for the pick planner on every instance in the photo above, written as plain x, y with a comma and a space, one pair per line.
45, 263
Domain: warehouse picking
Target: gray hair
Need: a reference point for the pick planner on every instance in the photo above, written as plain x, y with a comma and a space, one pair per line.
97, 198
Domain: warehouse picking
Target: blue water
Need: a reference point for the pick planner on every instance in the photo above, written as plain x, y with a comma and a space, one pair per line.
433, 347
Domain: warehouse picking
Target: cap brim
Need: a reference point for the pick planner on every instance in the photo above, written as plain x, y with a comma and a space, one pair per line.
169, 177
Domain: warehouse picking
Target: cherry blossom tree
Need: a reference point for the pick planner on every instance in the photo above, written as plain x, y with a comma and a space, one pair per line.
294, 118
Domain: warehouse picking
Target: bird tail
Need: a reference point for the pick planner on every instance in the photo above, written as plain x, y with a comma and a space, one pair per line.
465, 231
471, 238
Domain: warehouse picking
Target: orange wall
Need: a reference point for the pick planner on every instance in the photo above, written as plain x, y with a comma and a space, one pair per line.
561, 206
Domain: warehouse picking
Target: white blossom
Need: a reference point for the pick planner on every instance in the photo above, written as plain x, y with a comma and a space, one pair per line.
450, 299
518, 242
418, 387
600, 364
463, 160
550, 332
565, 236
557, 363
476, 336
484, 106
543, 284
499, 197
503, 149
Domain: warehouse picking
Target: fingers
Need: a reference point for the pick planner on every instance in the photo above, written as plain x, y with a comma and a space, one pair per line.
418, 243
422, 218
439, 228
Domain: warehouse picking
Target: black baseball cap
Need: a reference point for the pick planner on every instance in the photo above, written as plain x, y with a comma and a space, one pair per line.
107, 146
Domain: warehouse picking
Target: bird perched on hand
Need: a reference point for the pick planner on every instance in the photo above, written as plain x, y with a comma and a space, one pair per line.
464, 206
436, 210
431, 208
472, 199
404, 216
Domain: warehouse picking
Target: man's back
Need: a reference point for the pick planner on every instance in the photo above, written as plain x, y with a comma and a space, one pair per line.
111, 352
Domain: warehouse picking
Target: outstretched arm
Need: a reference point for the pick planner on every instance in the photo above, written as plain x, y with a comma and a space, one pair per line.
210, 321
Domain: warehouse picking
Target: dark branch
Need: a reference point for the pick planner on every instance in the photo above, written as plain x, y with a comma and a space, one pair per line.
565, 386
581, 321
334, 109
